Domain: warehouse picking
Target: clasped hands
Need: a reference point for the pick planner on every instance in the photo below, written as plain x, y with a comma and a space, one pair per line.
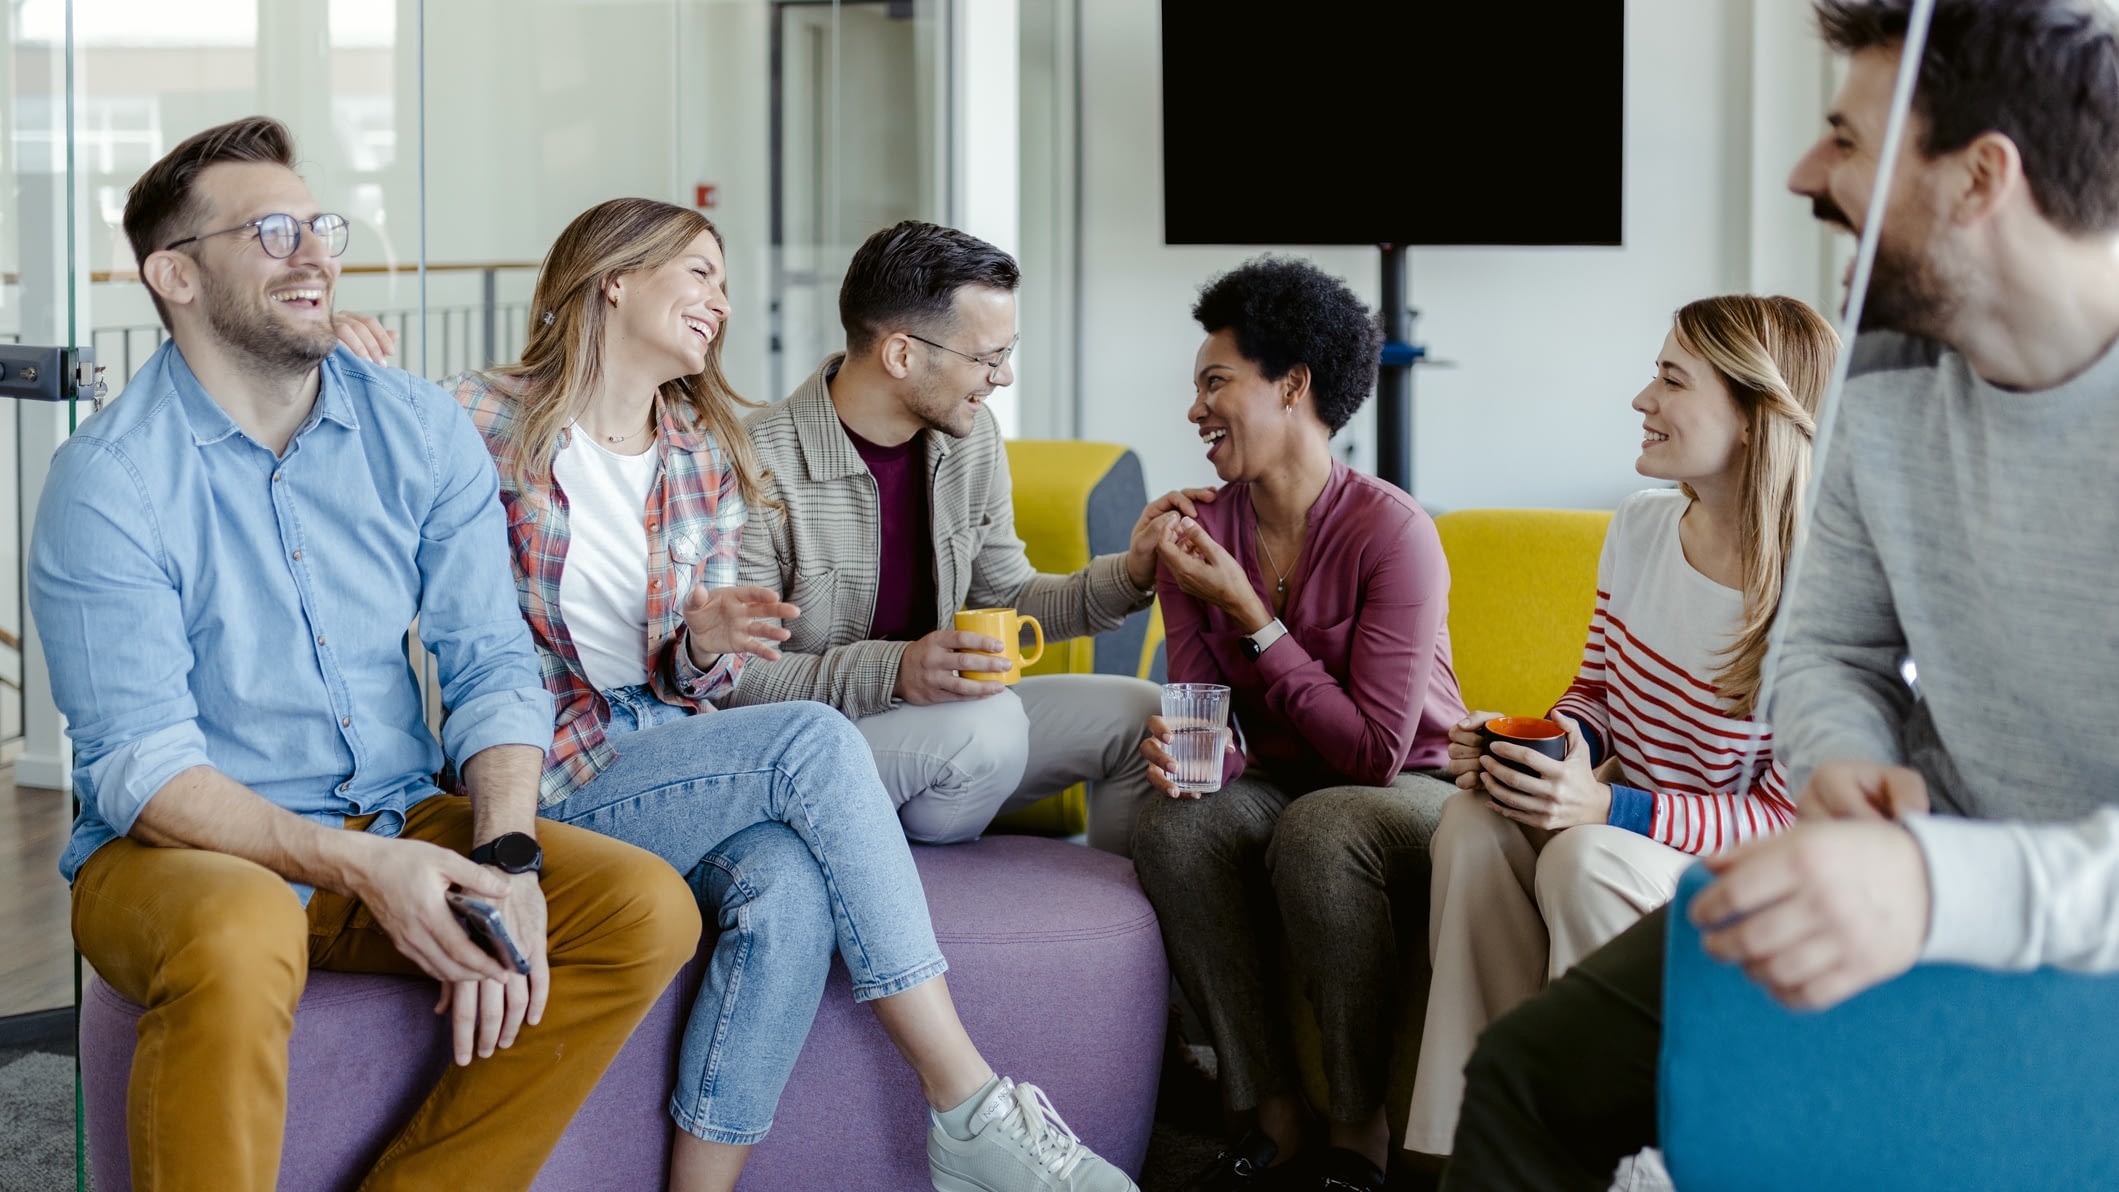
1835, 904
1204, 569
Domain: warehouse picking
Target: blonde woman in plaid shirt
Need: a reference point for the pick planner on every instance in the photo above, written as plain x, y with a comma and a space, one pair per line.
619, 424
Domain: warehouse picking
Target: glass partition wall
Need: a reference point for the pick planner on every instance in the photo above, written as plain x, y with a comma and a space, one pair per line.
798, 126
42, 284
458, 138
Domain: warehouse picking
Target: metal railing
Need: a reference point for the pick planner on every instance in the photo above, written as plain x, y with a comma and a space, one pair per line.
457, 336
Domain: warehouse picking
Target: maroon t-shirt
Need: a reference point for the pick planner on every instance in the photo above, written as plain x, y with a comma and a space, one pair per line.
905, 580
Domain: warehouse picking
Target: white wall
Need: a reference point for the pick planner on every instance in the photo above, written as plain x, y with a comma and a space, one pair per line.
1548, 345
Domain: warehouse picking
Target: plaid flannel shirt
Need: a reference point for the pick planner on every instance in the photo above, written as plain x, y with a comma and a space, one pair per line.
694, 520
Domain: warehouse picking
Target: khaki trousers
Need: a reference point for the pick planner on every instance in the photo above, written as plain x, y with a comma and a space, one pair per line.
218, 949
1503, 920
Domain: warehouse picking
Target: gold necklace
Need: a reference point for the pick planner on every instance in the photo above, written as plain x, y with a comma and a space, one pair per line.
1280, 578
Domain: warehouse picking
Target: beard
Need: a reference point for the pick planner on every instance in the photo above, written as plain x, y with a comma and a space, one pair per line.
246, 321
941, 409
1826, 211
1910, 291
1910, 286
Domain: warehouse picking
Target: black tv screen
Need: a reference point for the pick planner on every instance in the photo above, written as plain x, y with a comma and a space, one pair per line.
1411, 122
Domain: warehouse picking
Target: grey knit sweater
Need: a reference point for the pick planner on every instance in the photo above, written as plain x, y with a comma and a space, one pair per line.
1976, 531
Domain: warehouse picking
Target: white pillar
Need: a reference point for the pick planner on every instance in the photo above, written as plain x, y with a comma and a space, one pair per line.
985, 154
1790, 252
294, 80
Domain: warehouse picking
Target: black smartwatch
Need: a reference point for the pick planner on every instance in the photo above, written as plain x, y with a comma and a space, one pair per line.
1255, 644
511, 852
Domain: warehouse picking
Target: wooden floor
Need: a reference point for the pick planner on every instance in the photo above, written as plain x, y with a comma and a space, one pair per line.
36, 946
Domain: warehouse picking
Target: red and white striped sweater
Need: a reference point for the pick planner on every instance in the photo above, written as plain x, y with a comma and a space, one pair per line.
1646, 693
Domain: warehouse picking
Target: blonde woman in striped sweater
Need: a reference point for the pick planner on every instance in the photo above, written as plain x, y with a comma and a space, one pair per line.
1665, 761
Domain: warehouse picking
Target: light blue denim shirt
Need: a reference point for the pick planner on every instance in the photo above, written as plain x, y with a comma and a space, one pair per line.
205, 603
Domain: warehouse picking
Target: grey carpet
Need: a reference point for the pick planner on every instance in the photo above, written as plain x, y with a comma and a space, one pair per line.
37, 1109
1174, 1154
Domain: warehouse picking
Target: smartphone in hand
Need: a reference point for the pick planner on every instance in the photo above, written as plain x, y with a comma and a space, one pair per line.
483, 924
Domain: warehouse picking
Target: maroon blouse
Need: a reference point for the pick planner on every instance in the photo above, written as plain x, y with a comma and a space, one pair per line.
1360, 688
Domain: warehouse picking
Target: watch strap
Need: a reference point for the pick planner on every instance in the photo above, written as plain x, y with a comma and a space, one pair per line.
525, 855
1256, 644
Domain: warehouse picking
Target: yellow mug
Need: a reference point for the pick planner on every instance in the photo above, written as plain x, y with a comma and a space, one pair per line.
1007, 625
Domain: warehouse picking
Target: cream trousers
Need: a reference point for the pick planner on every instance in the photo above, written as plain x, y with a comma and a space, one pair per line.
1504, 919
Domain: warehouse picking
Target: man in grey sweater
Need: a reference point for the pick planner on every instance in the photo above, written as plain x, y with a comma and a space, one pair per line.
1968, 521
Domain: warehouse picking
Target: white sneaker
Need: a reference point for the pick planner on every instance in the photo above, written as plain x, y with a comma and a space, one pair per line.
1021, 1145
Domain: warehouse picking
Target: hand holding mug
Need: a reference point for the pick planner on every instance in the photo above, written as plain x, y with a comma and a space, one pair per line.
1535, 789
1004, 625
1466, 747
928, 671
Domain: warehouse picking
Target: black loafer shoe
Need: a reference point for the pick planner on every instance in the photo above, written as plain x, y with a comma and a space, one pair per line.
1240, 1168
1342, 1170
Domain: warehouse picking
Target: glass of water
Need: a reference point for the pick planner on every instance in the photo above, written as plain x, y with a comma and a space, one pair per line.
1198, 716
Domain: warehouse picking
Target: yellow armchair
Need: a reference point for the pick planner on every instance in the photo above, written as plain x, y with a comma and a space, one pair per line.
1523, 584
1074, 501
1522, 587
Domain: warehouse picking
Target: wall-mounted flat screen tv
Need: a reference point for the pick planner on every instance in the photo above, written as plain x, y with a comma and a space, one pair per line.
1410, 122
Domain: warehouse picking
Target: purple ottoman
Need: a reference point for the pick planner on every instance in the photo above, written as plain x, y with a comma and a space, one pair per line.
1055, 963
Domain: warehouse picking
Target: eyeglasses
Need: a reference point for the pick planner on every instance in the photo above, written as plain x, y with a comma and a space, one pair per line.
994, 363
280, 235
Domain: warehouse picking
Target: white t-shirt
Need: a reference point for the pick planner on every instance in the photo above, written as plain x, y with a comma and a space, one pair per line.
603, 587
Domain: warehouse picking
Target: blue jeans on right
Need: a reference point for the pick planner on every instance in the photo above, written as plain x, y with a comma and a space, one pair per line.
776, 817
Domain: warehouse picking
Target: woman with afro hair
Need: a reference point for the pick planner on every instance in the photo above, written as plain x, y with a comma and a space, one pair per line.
1318, 595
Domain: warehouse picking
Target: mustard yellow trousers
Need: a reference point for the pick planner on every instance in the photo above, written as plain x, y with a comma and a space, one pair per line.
217, 949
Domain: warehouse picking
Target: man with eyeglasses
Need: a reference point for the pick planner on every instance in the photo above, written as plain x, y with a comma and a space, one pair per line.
224, 566
894, 510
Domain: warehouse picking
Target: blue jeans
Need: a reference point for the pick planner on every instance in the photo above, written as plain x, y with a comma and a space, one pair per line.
775, 816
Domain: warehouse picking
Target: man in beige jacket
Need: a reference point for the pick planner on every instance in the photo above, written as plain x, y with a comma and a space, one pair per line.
895, 511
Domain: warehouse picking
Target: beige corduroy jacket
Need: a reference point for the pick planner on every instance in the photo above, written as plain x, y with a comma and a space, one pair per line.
821, 549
